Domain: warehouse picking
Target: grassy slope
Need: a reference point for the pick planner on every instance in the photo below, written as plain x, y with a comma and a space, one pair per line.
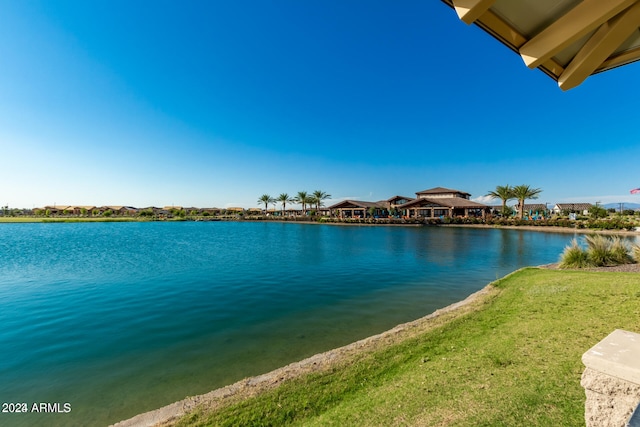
515, 360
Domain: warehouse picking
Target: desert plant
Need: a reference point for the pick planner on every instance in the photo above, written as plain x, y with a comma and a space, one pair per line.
607, 251
284, 198
318, 197
574, 256
601, 251
302, 198
522, 193
619, 252
598, 250
266, 199
504, 193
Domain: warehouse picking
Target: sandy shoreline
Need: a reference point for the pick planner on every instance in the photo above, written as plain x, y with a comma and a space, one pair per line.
320, 362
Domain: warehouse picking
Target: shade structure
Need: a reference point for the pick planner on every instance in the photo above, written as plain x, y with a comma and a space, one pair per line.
569, 40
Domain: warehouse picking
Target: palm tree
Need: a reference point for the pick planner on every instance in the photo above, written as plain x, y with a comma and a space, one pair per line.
303, 198
284, 198
266, 199
504, 193
523, 192
317, 197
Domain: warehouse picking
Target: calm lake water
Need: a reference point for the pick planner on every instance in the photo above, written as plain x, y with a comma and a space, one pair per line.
121, 318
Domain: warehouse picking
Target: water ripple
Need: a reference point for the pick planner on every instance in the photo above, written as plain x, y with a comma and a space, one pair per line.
123, 318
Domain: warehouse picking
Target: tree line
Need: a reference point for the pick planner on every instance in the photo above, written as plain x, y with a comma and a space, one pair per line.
303, 198
519, 192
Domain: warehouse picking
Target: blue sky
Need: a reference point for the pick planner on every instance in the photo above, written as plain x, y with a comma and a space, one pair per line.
214, 103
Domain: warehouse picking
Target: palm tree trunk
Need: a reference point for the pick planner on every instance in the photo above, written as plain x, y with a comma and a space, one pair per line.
521, 209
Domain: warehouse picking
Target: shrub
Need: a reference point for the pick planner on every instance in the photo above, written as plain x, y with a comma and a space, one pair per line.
598, 212
635, 251
615, 223
601, 251
619, 252
598, 250
574, 256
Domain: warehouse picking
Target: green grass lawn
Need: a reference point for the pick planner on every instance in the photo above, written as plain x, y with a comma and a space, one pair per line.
66, 219
69, 219
511, 358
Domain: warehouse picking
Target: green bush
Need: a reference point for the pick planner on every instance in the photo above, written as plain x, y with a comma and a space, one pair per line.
615, 223
598, 212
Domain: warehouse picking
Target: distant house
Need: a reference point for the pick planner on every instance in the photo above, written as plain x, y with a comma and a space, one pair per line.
235, 210
155, 211
535, 207
443, 202
534, 210
78, 210
89, 210
582, 208
119, 210
210, 211
55, 209
359, 208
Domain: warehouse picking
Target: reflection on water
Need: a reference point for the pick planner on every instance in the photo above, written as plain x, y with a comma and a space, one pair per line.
118, 319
